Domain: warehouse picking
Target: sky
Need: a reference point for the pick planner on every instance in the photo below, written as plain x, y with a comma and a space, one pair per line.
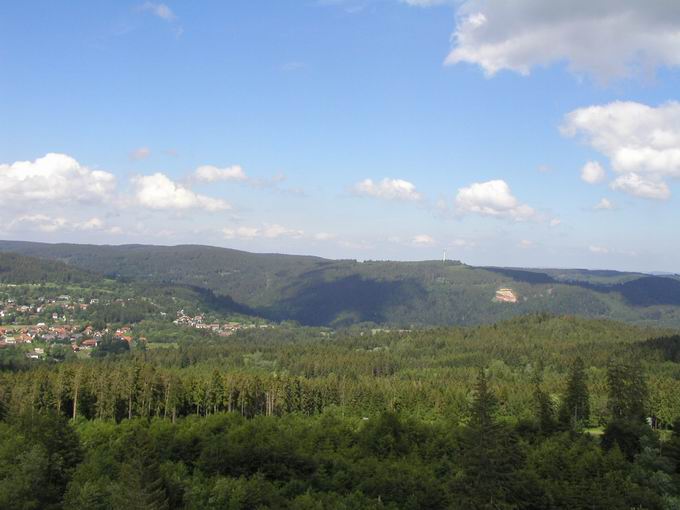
524, 133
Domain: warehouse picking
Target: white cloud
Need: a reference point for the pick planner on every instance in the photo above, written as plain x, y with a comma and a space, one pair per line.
274, 231
593, 173
639, 186
140, 153
241, 232
555, 222
209, 173
160, 10
525, 244
463, 243
49, 224
157, 191
601, 250
91, 224
492, 198
642, 142
604, 205
388, 189
324, 236
423, 240
268, 231
54, 177
604, 38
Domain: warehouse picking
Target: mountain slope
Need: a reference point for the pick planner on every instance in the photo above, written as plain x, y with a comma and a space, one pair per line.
15, 268
317, 291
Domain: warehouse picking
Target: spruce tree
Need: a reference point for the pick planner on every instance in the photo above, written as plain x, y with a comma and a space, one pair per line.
490, 456
543, 408
141, 485
672, 447
575, 406
484, 404
627, 405
627, 391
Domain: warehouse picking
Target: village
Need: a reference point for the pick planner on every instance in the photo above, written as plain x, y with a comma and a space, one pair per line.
39, 324
78, 338
221, 329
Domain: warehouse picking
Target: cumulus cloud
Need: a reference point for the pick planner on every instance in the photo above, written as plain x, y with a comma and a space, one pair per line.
593, 173
423, 240
492, 198
159, 10
642, 142
388, 189
140, 153
54, 177
639, 186
324, 236
463, 243
209, 173
607, 39
604, 205
158, 191
49, 224
601, 250
268, 231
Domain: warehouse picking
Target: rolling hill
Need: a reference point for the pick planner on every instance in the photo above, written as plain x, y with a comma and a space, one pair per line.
317, 291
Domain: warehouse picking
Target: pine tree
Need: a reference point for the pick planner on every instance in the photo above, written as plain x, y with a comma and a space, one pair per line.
575, 406
672, 448
627, 405
141, 485
484, 405
490, 456
627, 391
544, 409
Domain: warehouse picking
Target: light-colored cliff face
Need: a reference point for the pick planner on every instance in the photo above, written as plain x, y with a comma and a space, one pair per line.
505, 296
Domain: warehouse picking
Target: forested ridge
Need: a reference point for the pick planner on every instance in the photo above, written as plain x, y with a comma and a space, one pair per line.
535, 412
338, 293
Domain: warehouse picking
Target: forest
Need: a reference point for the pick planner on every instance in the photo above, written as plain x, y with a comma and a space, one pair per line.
314, 291
536, 412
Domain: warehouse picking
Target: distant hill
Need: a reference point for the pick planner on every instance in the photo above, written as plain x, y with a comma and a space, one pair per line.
16, 268
318, 291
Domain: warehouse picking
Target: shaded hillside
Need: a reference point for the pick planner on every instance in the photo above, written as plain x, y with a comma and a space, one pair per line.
636, 288
317, 291
19, 270
15, 268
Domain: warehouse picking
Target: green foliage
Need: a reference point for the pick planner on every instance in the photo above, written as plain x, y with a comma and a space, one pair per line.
339, 293
628, 391
16, 268
575, 407
110, 345
307, 418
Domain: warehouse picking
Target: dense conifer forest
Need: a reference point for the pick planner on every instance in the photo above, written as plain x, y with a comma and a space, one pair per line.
314, 291
170, 411
536, 412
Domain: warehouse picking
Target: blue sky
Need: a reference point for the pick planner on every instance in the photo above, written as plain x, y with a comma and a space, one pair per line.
349, 129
